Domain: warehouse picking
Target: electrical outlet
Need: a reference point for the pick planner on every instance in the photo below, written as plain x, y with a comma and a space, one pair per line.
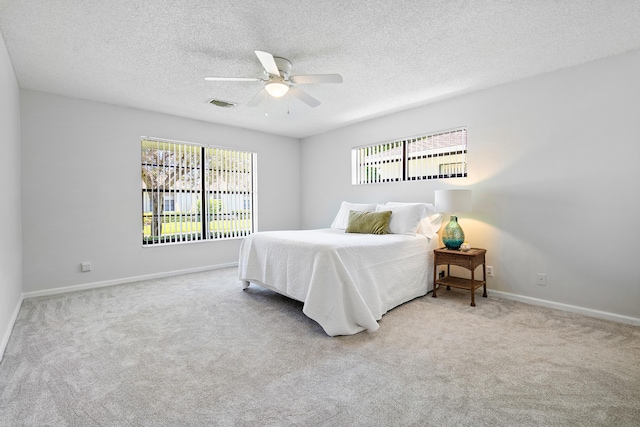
85, 266
489, 270
542, 279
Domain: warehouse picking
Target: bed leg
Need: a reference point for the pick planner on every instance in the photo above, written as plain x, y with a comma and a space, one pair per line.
245, 284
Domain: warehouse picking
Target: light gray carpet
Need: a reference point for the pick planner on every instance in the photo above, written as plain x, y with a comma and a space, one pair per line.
197, 350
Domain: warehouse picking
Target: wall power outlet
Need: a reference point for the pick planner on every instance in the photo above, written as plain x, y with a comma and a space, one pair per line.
542, 279
85, 266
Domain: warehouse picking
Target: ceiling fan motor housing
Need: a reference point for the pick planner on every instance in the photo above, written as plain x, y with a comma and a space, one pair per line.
284, 66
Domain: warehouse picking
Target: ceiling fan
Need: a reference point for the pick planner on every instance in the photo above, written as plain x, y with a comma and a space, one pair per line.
278, 81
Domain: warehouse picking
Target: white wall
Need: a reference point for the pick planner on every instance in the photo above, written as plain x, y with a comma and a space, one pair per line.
554, 169
10, 240
81, 190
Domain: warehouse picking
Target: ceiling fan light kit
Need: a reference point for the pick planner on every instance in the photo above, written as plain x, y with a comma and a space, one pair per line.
278, 82
276, 88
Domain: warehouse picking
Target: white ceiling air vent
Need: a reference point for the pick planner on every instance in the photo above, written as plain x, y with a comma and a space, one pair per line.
220, 103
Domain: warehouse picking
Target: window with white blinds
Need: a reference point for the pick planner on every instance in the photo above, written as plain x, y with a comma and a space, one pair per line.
433, 156
192, 192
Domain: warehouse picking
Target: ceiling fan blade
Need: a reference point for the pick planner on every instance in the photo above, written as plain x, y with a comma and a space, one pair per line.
317, 78
256, 99
267, 61
303, 96
231, 79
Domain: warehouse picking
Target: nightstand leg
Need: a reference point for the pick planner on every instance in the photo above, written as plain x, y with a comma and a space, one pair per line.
484, 277
473, 291
435, 277
448, 274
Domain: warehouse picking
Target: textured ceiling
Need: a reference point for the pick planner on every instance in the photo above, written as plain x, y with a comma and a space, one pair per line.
154, 54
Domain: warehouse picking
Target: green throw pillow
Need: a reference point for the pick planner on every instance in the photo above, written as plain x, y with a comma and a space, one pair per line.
369, 222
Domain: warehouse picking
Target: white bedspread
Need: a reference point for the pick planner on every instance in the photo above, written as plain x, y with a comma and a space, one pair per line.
347, 281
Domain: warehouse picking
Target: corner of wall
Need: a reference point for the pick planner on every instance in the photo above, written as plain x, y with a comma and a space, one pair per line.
10, 175
7, 333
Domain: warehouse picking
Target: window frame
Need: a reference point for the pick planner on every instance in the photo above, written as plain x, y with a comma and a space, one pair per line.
374, 163
194, 176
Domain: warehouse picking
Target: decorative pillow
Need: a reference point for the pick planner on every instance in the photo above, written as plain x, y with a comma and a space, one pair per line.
368, 222
405, 218
430, 221
342, 218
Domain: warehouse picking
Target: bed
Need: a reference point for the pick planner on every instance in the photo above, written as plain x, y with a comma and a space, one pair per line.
347, 280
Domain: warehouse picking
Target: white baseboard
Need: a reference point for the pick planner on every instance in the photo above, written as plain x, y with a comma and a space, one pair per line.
124, 280
571, 308
7, 333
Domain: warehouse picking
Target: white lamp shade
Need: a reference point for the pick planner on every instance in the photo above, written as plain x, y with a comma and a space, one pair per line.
276, 89
453, 201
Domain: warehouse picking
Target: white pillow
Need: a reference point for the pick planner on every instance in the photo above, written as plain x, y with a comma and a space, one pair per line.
404, 218
342, 218
430, 221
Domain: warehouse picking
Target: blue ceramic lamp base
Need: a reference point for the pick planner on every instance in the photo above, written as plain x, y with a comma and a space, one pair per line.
452, 234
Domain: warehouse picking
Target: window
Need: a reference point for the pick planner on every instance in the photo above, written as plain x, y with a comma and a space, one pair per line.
435, 156
192, 192
169, 203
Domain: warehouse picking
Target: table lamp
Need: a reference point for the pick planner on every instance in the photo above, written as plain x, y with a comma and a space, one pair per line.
453, 201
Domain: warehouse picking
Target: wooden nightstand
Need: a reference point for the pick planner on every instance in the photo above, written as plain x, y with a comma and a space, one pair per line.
469, 260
